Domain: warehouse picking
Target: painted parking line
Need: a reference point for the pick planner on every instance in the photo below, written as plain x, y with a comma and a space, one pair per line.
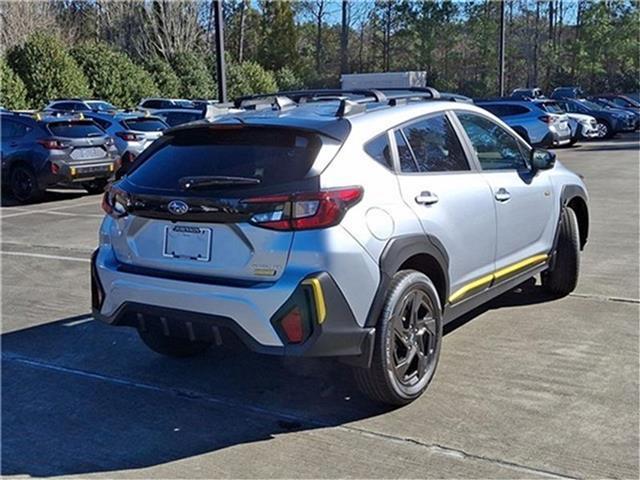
53, 210
43, 255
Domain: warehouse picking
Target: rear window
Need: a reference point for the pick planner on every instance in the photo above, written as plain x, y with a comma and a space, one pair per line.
552, 108
75, 129
144, 124
178, 118
274, 156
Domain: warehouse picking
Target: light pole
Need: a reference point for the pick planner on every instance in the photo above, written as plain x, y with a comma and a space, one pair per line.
501, 51
220, 63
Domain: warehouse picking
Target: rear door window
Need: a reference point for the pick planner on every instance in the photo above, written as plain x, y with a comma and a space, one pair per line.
272, 156
435, 145
152, 104
144, 124
75, 129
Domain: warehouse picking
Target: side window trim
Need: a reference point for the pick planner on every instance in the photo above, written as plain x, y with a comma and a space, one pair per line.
471, 159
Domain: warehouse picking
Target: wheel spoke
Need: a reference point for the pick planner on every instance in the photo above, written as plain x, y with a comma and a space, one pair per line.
422, 363
405, 363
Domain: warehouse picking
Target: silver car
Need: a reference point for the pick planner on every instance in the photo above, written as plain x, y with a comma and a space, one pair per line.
535, 125
352, 225
132, 131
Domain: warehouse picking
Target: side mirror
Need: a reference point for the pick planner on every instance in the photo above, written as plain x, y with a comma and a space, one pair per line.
542, 159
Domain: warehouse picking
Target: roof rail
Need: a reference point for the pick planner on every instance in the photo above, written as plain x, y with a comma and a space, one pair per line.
258, 102
348, 104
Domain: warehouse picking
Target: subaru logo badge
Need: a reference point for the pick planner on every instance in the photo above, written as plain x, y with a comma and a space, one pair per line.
178, 207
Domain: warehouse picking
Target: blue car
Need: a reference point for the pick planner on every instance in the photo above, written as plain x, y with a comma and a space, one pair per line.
606, 103
609, 121
535, 125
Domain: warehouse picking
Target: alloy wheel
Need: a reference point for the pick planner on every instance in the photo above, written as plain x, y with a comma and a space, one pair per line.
414, 342
603, 130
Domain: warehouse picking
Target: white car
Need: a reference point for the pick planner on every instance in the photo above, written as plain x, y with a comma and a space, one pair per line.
585, 126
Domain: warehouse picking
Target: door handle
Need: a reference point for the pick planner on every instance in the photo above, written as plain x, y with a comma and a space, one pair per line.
502, 195
427, 198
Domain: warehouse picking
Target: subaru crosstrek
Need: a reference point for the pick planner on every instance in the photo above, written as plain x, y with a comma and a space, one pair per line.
350, 224
41, 151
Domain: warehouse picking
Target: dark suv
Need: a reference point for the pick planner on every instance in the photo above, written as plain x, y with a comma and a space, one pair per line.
609, 121
42, 151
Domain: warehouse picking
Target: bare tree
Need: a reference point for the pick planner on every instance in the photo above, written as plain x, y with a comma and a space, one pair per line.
18, 20
317, 11
172, 26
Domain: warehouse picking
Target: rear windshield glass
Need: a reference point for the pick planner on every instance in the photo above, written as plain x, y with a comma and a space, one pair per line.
274, 156
178, 118
144, 124
552, 108
75, 129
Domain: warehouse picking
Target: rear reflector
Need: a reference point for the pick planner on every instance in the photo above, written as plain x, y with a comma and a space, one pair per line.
292, 326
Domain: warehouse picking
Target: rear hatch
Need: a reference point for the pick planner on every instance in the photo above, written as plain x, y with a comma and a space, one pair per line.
145, 129
82, 140
191, 198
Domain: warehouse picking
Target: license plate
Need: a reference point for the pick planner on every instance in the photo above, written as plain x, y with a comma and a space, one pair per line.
86, 153
191, 243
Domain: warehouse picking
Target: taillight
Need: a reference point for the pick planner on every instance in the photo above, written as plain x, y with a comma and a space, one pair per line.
115, 202
546, 119
305, 211
51, 143
127, 136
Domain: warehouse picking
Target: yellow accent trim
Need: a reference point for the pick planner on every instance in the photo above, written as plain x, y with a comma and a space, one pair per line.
111, 167
73, 171
497, 275
470, 286
318, 297
520, 265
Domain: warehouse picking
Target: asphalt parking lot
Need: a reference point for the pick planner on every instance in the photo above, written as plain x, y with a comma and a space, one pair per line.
526, 387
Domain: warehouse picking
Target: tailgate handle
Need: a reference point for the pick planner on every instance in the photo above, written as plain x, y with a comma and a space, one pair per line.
427, 198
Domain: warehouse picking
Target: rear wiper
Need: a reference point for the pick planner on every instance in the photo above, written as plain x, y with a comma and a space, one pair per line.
187, 183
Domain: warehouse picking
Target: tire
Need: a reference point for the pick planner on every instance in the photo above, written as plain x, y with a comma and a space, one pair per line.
396, 375
172, 346
563, 279
604, 129
24, 184
96, 186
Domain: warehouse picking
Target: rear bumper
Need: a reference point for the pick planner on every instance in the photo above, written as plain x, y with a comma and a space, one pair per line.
68, 173
200, 311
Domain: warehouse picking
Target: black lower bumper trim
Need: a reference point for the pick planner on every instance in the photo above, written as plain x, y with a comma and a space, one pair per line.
338, 336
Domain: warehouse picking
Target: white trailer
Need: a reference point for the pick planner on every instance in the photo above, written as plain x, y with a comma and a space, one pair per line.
398, 80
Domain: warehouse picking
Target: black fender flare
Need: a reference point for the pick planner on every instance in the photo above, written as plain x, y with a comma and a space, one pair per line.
568, 193
397, 251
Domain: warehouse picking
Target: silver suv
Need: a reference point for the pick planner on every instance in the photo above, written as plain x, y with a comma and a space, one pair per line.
351, 224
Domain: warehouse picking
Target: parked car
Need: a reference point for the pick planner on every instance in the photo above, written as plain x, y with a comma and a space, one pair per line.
531, 122
162, 103
178, 116
609, 122
39, 152
79, 105
567, 92
527, 93
604, 103
304, 233
132, 131
582, 126
622, 101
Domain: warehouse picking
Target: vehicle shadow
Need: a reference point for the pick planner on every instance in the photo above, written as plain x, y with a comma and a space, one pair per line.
7, 200
81, 397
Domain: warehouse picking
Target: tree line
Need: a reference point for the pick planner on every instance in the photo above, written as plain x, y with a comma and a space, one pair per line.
124, 50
